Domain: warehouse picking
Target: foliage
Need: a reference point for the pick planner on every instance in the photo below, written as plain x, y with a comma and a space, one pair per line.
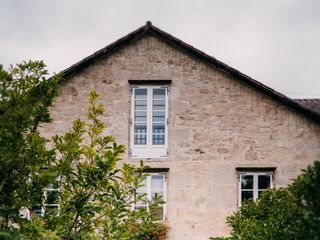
25, 96
285, 213
97, 190
306, 190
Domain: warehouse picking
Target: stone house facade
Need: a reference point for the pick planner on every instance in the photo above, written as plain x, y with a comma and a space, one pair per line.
212, 135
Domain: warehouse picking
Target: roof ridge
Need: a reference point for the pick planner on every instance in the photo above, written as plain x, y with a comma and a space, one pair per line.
149, 27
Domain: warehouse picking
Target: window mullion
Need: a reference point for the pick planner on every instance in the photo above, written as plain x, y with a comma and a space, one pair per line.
255, 186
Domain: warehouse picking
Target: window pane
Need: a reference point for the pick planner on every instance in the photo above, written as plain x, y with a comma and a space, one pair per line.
36, 210
157, 182
140, 104
138, 206
158, 213
159, 93
140, 116
158, 139
246, 181
140, 139
158, 116
52, 197
158, 128
140, 93
245, 195
264, 181
140, 128
159, 104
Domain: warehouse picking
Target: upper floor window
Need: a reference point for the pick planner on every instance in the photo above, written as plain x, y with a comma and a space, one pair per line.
149, 122
252, 184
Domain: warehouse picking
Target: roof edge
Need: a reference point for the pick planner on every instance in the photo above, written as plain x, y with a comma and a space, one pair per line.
148, 27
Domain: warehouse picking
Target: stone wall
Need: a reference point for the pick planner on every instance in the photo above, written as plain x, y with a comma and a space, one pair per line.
216, 124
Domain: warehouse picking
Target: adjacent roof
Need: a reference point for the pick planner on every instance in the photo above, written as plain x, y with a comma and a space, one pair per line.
150, 29
313, 104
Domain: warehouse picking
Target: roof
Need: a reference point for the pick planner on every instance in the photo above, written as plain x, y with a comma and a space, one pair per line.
313, 103
151, 29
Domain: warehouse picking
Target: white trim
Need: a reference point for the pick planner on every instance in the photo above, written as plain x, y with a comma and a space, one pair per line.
255, 189
149, 190
149, 150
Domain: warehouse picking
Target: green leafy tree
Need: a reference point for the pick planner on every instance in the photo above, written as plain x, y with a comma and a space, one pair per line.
306, 190
25, 96
290, 213
97, 190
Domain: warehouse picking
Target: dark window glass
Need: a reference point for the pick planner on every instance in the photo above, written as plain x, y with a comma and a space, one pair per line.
158, 128
263, 181
140, 139
246, 195
247, 182
158, 139
140, 128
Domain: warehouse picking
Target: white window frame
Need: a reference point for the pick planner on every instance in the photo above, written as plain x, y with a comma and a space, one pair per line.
149, 150
255, 189
149, 191
44, 205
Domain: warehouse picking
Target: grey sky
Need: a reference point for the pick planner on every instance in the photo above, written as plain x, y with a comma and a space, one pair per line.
276, 42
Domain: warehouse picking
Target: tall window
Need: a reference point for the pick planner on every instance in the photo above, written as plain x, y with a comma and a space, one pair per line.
252, 184
149, 122
154, 184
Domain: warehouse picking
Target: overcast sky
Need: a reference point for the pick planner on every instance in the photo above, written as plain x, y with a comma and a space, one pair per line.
277, 42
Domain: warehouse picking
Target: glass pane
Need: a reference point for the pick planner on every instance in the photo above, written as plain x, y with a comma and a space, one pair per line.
157, 197
246, 181
158, 213
140, 139
159, 116
36, 210
264, 181
245, 195
140, 104
140, 116
158, 128
52, 197
159, 104
140, 128
159, 93
138, 206
140, 93
157, 182
158, 139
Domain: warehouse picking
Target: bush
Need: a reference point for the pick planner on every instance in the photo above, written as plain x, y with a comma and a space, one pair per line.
285, 213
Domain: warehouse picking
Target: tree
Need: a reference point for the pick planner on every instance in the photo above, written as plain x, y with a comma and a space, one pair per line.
97, 191
25, 96
285, 213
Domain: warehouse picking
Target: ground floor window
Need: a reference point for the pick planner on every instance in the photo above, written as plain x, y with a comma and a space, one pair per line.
50, 199
153, 185
252, 184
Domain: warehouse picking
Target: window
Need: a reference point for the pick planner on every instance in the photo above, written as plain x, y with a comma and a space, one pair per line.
155, 183
50, 202
149, 122
252, 184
